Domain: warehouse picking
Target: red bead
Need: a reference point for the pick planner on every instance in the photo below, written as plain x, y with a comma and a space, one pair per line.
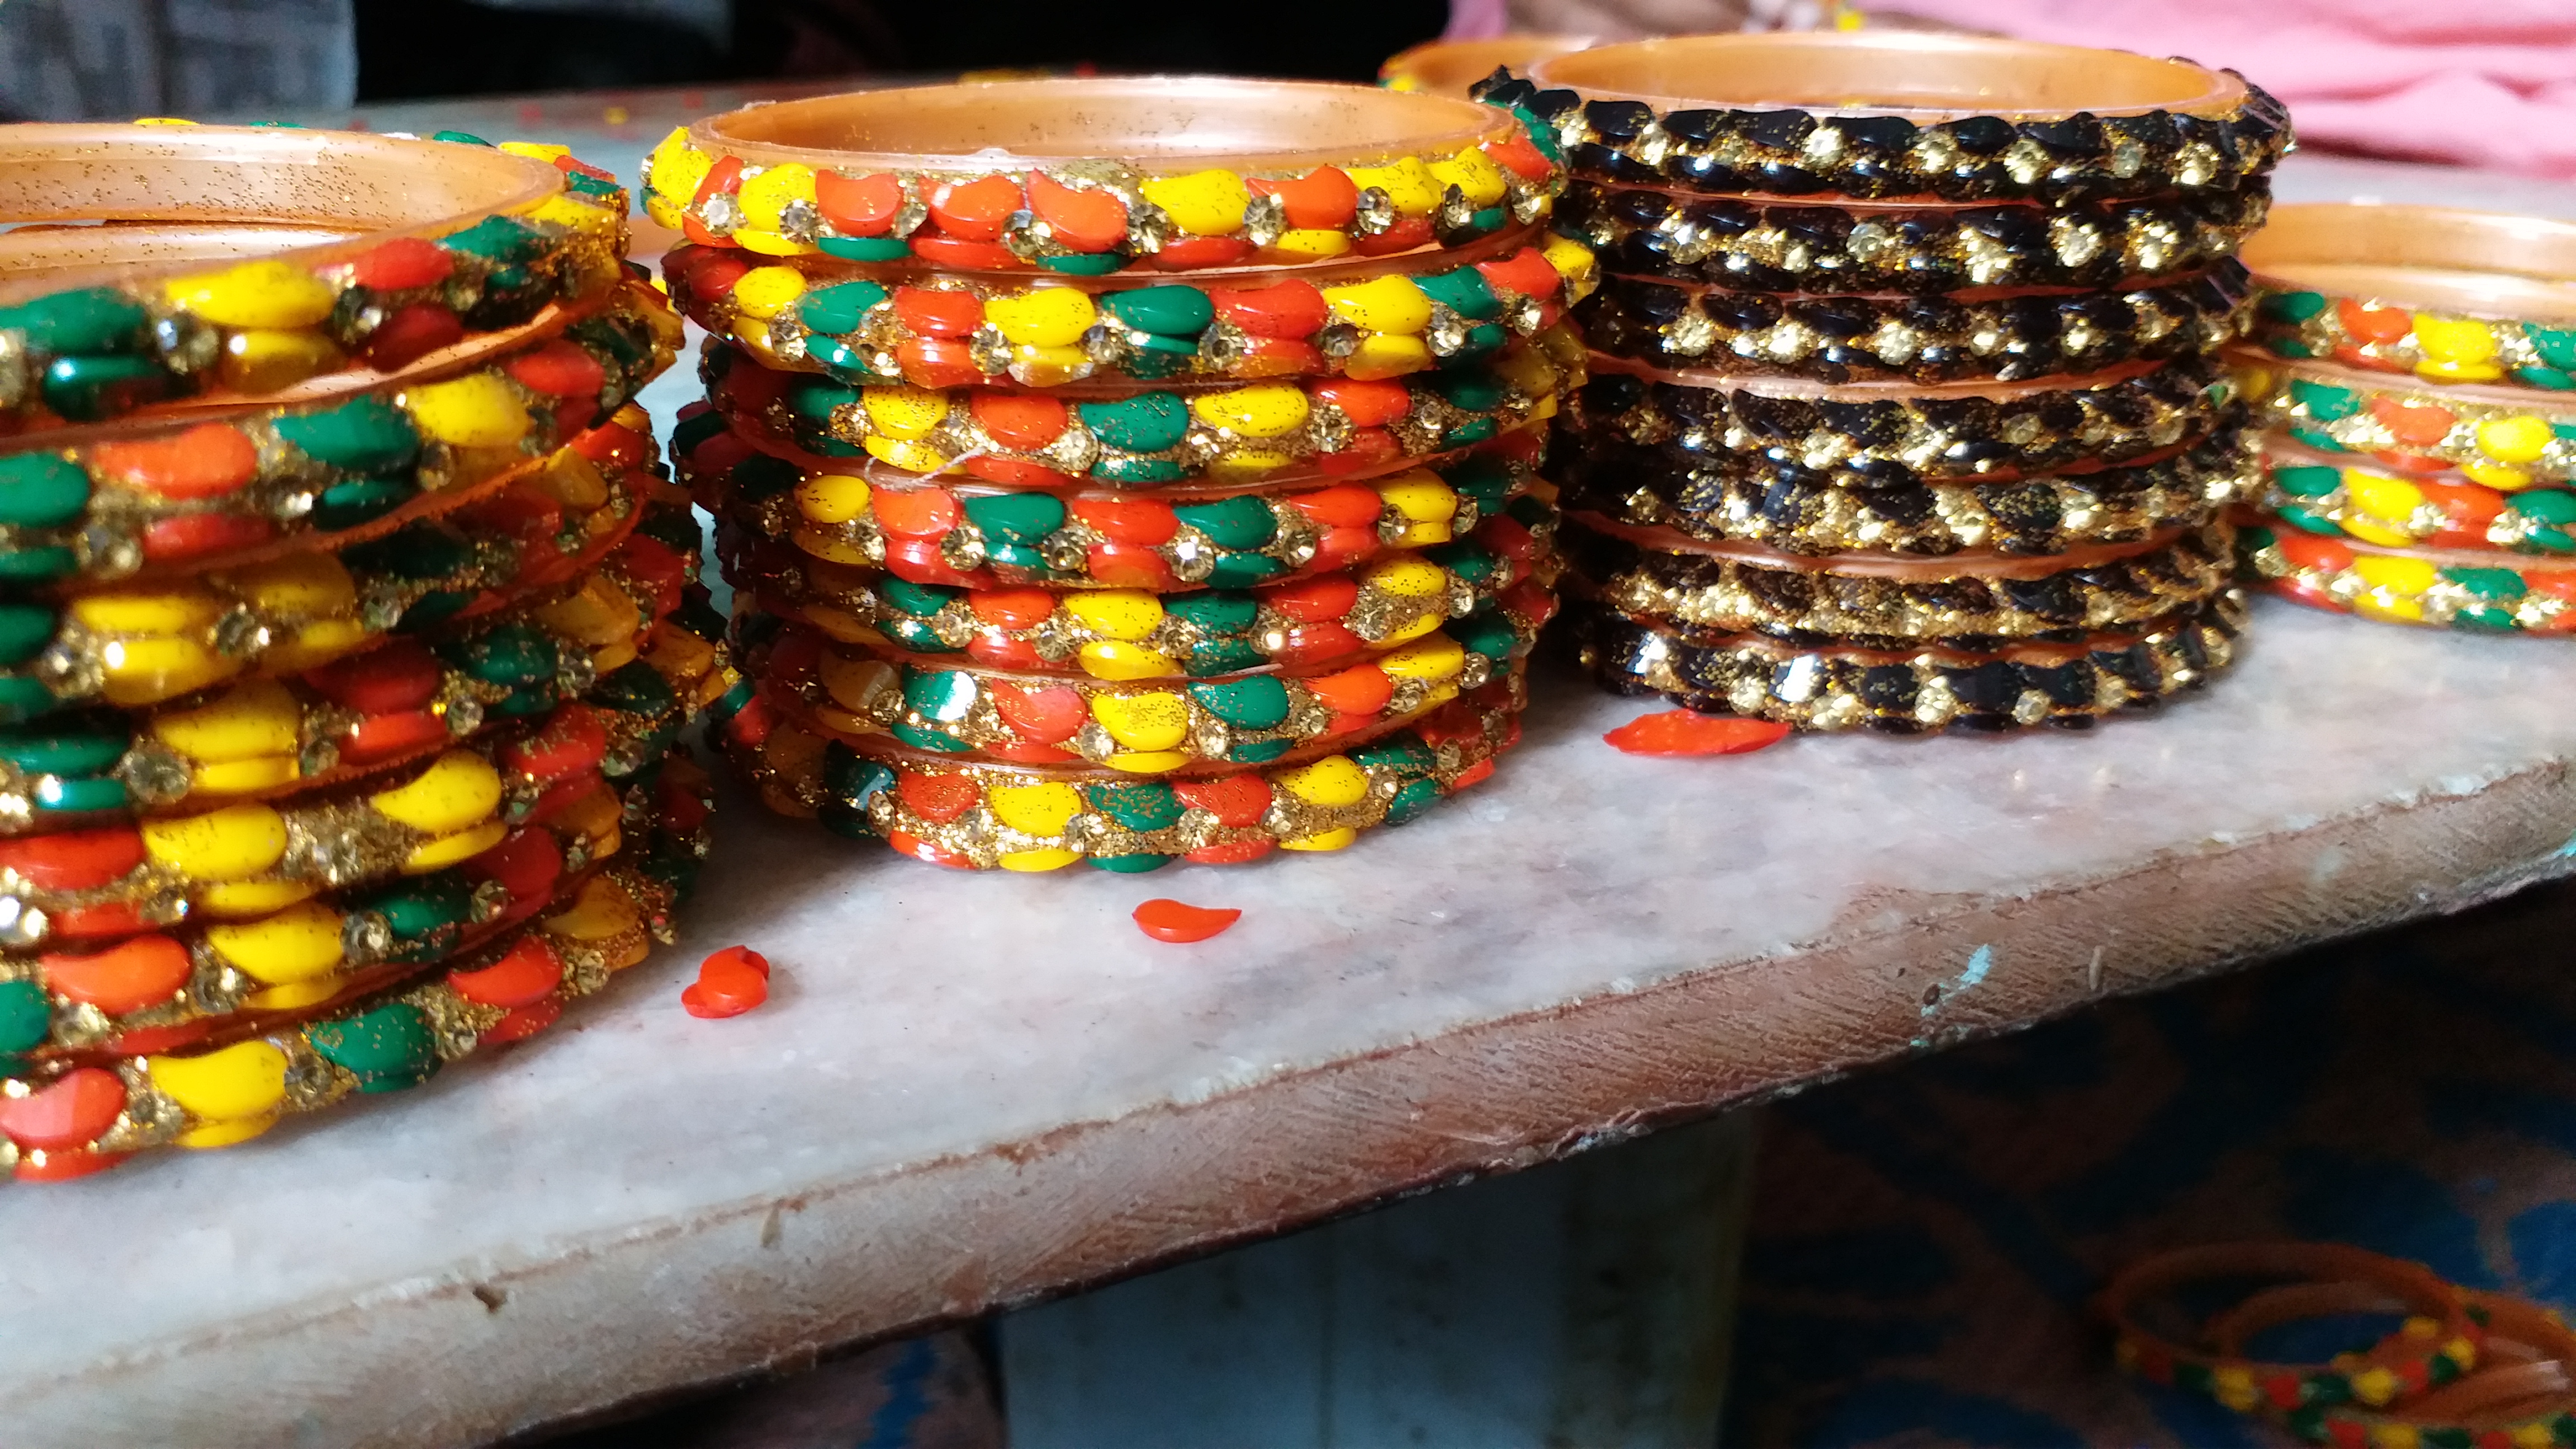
712, 278
1015, 473
1202, 251
1012, 608
71, 1110
614, 444
2416, 427
401, 675
1141, 521
1277, 357
1517, 155
559, 368
91, 923
1316, 643
1131, 566
559, 799
1362, 689
2381, 325
2308, 551
1085, 221
956, 255
975, 210
683, 808
1165, 919
1370, 449
526, 974
937, 798
1237, 853
1002, 651
410, 333
752, 723
151, 1039
206, 461
129, 976
63, 1166
937, 362
575, 739
74, 860
720, 454
1235, 800
1524, 273
523, 1023
913, 845
1019, 752
401, 264
934, 313
1509, 537
1686, 732
1046, 716
1345, 505
1312, 601
570, 167
1324, 199
386, 736
1408, 233
1340, 547
914, 512
1024, 422
194, 535
1475, 774
655, 567
723, 179
1285, 309
858, 205
1371, 404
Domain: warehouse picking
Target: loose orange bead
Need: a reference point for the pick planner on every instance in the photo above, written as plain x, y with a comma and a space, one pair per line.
730, 982
1685, 732
1165, 919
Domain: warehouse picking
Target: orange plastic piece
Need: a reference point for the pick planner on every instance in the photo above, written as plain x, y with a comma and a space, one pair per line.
730, 982
1682, 732
1170, 920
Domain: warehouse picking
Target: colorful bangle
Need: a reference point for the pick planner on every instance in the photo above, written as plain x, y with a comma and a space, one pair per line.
1346, 171
1914, 339
1873, 439
1264, 432
505, 236
2067, 686
2491, 440
982, 537
1722, 499
959, 332
1881, 601
75, 1122
2437, 281
1012, 817
2438, 1343
2322, 494
1680, 111
175, 495
2478, 591
1758, 246
2510, 1405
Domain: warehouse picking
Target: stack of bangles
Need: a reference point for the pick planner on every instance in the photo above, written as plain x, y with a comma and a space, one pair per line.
1097, 494
2415, 370
348, 621
2457, 1368
1904, 407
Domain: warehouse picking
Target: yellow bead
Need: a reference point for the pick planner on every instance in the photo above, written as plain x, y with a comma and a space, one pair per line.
1382, 304
2377, 494
2368, 531
459, 789
242, 777
598, 913
163, 121
1413, 629
1420, 496
257, 719
572, 480
858, 684
270, 360
831, 546
1526, 370
319, 642
664, 214
1311, 244
1408, 183
1032, 366
2394, 608
1033, 861
220, 845
225, 1133
298, 586
676, 169
1043, 317
574, 214
296, 944
1572, 260
1335, 839
840, 624
1264, 410
1382, 355
909, 456
1474, 174
1148, 762
2400, 575
1432, 660
246, 1079
832, 498
244, 900
1407, 578
764, 292
2496, 476
1247, 465
1040, 810
1203, 203
598, 616
147, 671
455, 849
593, 816
1155, 721
769, 243
1116, 613
256, 294
2518, 439
476, 411
1331, 782
903, 413
765, 198
2453, 340
1119, 660
139, 612
535, 150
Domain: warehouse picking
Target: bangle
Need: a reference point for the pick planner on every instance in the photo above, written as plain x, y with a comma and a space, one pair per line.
2478, 590
2420, 290
1017, 817
445, 244
1266, 432
2323, 494
175, 495
1908, 691
961, 331
1453, 67
95, 1116
1719, 498
982, 536
2439, 1342
1872, 438
1891, 602
2490, 437
2507, 1403
1759, 246
1320, 171
1972, 118
1914, 339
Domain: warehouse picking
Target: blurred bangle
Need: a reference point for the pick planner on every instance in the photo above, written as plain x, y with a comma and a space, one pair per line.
2480, 591
2323, 493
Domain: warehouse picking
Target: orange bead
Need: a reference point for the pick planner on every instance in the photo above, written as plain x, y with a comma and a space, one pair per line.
1237, 853
2381, 325
128, 976
1235, 800
1045, 716
976, 210
197, 535
1345, 506
1202, 251
963, 256
1408, 233
1362, 689
1131, 566
2416, 427
1523, 273
527, 973
1012, 608
527, 864
1369, 450
1142, 521
1324, 199
1686, 732
858, 205
1170, 920
1372, 404
68, 1112
1314, 600
558, 369
206, 461
524, 1022
1025, 422
74, 860
907, 843
401, 264
1282, 310
1317, 644
937, 798
937, 362
914, 512
1086, 221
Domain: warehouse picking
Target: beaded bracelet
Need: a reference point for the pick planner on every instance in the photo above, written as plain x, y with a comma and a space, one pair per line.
1264, 432
2067, 686
960, 331
2511, 1405
2449, 296
1679, 111
982, 536
2320, 493
520, 232
192, 495
1914, 339
2490, 440
1757, 246
1885, 602
90, 1118
1347, 171
1871, 439
1143, 634
1717, 498
2483, 592
983, 817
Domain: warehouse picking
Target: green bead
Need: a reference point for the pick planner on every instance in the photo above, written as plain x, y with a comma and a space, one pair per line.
89, 389
919, 600
2548, 505
761, 476
1403, 756
1016, 556
843, 361
386, 1049
360, 500
24, 629
2556, 346
625, 340
467, 138
1136, 864
1146, 423
589, 185
37, 565
1464, 292
853, 778
2292, 306
79, 797
501, 240
2502, 584
1541, 134
1222, 656
1485, 222
1482, 340
921, 738
436, 607
1240, 522
1169, 311
1144, 806
697, 428
634, 687
1256, 703
1138, 470
2325, 402
1469, 434
1487, 480
1235, 570
1411, 801
26, 1018
2289, 347
1471, 562
844, 821
838, 308
513, 654
1531, 513
2309, 520
22, 699
1152, 360
66, 748
865, 248
1084, 264
1474, 390
1020, 517
2549, 378
816, 397
1488, 632
1214, 613
528, 699
419, 551
41, 490
2307, 480
366, 436
89, 319
2550, 540
424, 912
2564, 432
946, 695
1258, 752
2316, 438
